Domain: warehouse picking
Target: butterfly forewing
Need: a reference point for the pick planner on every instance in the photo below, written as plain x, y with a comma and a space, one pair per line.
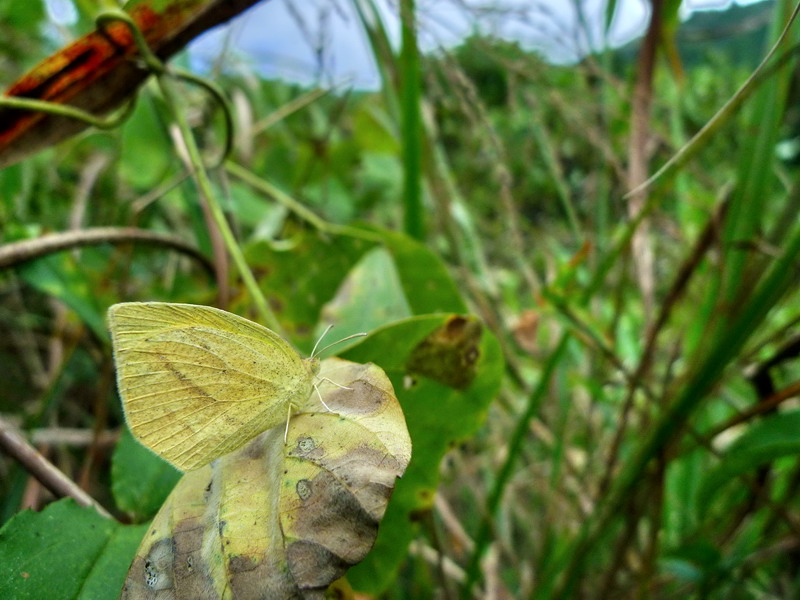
197, 382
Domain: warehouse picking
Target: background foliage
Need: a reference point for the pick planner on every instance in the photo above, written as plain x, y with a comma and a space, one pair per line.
632, 428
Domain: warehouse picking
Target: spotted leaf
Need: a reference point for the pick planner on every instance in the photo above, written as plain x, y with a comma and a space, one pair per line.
283, 519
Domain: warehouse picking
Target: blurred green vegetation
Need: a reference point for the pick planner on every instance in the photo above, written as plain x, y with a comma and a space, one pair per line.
643, 440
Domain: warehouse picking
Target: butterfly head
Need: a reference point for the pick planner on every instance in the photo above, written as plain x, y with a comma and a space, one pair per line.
312, 364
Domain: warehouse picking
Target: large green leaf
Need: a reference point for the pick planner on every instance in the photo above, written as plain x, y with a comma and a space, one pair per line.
145, 152
368, 298
426, 358
141, 481
58, 276
298, 288
65, 552
297, 285
426, 282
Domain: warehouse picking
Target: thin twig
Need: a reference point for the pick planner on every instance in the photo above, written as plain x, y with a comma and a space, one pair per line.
453, 571
451, 522
13, 444
641, 244
764, 406
72, 436
676, 291
15, 253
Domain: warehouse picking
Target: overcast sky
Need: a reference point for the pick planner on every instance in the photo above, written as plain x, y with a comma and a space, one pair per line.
321, 42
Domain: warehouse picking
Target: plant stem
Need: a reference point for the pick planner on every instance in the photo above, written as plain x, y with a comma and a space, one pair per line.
204, 185
411, 123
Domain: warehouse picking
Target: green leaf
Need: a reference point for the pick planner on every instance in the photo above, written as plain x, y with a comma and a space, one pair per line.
297, 287
775, 437
22, 15
334, 198
368, 298
380, 178
58, 276
146, 152
298, 300
141, 481
438, 417
374, 132
426, 282
693, 563
65, 551
254, 211
681, 570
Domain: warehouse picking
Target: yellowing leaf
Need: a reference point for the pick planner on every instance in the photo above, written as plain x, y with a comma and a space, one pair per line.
282, 520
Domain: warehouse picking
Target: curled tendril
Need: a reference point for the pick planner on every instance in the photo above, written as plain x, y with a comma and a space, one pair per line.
216, 92
154, 65
69, 112
157, 67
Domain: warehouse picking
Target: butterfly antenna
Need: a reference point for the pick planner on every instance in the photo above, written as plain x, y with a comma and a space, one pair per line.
324, 333
349, 337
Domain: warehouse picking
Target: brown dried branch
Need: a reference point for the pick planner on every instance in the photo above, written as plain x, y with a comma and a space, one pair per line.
13, 444
16, 253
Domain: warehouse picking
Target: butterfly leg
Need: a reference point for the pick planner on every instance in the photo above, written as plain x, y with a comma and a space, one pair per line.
339, 385
316, 389
288, 417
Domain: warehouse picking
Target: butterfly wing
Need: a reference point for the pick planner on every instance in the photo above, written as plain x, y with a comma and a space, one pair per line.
197, 382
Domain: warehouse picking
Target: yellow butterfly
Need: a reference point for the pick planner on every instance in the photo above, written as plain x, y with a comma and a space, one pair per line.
197, 382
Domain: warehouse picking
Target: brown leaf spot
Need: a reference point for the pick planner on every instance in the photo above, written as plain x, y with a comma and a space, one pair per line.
305, 445
242, 564
334, 518
314, 566
303, 489
449, 354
